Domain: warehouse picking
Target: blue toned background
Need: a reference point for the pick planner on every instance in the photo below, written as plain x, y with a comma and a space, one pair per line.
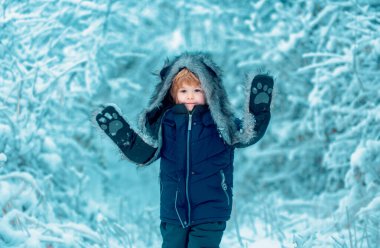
312, 181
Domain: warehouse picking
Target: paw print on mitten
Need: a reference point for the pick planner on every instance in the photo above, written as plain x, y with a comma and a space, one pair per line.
261, 93
109, 122
115, 126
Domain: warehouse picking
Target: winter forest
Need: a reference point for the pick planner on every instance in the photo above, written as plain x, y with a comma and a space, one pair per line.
312, 181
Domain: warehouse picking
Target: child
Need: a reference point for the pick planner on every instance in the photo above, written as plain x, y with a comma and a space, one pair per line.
189, 125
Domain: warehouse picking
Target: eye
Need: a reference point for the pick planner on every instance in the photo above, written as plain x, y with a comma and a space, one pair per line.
198, 90
182, 91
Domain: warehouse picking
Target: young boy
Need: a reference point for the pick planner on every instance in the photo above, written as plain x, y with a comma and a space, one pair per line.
189, 125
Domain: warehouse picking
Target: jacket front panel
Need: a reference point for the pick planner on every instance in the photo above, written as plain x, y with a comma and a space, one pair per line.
196, 168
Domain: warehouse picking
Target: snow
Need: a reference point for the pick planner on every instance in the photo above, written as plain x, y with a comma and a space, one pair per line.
373, 206
23, 176
312, 181
267, 243
287, 45
5, 192
53, 160
358, 156
49, 144
175, 40
3, 158
376, 45
34, 240
5, 129
82, 230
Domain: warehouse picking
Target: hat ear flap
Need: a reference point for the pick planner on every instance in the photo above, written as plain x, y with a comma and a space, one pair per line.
164, 73
165, 70
210, 70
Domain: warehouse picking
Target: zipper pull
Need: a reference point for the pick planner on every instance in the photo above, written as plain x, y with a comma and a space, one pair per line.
189, 123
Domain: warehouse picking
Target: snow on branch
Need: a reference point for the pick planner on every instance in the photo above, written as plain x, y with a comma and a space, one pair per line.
23, 176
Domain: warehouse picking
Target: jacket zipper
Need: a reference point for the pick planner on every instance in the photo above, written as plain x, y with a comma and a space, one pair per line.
188, 168
224, 186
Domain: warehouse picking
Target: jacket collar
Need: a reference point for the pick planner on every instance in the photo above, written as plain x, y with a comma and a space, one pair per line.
181, 109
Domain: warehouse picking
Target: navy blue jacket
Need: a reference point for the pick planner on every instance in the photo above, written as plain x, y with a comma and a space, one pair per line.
196, 168
196, 173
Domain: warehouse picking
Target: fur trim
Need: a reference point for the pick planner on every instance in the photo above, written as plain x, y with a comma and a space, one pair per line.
210, 76
247, 130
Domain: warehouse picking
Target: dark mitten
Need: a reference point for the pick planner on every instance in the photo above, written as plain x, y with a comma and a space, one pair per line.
261, 94
114, 125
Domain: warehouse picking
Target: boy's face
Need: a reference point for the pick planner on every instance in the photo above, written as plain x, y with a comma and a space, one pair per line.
190, 96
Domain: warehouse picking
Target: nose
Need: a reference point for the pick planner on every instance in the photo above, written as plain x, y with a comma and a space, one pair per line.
190, 95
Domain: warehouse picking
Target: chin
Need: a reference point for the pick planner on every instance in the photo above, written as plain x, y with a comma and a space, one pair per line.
190, 107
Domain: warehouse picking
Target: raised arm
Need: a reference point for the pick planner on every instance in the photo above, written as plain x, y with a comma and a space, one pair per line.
259, 105
129, 142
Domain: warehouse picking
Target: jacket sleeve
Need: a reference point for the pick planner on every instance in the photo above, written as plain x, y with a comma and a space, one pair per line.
138, 151
130, 143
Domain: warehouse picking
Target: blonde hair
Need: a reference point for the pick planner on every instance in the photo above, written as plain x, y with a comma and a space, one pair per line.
183, 77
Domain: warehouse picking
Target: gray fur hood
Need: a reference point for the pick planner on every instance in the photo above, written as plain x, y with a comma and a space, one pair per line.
233, 130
